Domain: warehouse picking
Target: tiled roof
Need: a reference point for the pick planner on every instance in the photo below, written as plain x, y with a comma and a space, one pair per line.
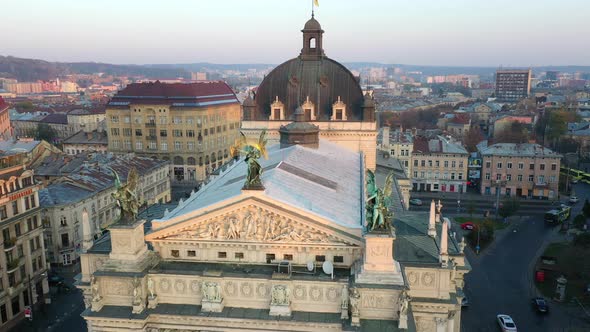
515, 149
461, 119
57, 118
175, 94
439, 145
82, 137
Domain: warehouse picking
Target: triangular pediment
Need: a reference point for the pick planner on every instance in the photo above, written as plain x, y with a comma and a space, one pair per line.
256, 221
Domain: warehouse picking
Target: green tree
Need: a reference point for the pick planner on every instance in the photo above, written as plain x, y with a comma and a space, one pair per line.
472, 138
509, 207
45, 132
516, 132
579, 221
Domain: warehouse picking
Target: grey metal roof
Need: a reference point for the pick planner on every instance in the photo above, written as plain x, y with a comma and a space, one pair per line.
326, 181
15, 147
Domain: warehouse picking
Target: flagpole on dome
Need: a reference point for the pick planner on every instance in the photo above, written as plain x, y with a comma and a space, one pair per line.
314, 3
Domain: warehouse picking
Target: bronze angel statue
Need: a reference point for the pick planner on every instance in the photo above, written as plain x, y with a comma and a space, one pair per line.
252, 150
378, 202
126, 197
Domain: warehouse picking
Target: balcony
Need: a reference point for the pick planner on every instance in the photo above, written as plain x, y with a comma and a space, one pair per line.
9, 244
151, 138
12, 265
150, 124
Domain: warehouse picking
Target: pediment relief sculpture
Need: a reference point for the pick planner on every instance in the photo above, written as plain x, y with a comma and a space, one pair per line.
253, 224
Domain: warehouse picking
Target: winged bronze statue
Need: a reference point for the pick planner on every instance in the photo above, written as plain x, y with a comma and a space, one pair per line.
252, 150
378, 201
126, 197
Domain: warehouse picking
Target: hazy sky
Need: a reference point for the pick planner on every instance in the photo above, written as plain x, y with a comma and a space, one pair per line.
426, 32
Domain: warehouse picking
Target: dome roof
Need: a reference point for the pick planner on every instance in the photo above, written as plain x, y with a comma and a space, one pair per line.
323, 81
312, 24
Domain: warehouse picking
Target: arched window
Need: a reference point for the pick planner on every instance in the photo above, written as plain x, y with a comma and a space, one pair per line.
312, 43
190, 161
200, 161
166, 158
178, 160
206, 160
225, 153
219, 155
213, 157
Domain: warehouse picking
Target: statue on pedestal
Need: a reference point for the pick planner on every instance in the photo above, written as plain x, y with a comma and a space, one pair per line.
126, 197
355, 298
136, 283
253, 151
150, 286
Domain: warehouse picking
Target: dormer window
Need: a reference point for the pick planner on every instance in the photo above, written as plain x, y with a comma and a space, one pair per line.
277, 110
338, 111
309, 110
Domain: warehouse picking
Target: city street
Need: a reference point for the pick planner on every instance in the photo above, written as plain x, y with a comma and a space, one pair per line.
63, 314
501, 280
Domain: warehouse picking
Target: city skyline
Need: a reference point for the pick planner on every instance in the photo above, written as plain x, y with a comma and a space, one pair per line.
454, 33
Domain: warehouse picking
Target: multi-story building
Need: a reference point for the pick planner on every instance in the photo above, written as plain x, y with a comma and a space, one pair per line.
439, 164
82, 141
86, 119
23, 278
522, 170
192, 125
86, 193
397, 144
5, 127
513, 85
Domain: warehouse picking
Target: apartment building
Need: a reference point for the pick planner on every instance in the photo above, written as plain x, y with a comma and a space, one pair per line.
513, 85
5, 127
397, 144
86, 191
522, 170
23, 277
439, 164
193, 125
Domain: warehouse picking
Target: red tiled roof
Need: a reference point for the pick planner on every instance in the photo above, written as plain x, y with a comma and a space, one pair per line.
420, 144
460, 119
157, 92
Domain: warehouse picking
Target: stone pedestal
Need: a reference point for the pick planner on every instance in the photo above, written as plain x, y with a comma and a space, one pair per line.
403, 322
127, 241
210, 306
138, 308
378, 263
97, 305
280, 310
355, 320
152, 302
344, 313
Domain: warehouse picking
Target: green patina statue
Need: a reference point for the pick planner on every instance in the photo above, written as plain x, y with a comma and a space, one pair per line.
252, 151
378, 201
125, 196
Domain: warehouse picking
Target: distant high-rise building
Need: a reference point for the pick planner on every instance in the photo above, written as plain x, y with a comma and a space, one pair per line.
513, 85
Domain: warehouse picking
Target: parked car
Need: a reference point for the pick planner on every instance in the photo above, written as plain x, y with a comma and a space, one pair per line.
506, 323
55, 280
468, 225
574, 199
540, 305
415, 201
465, 302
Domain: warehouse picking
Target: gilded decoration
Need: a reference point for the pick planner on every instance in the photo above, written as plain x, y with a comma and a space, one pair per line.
253, 224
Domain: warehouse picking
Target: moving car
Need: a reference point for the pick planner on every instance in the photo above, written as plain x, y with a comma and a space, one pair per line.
574, 199
540, 305
468, 225
415, 201
506, 323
